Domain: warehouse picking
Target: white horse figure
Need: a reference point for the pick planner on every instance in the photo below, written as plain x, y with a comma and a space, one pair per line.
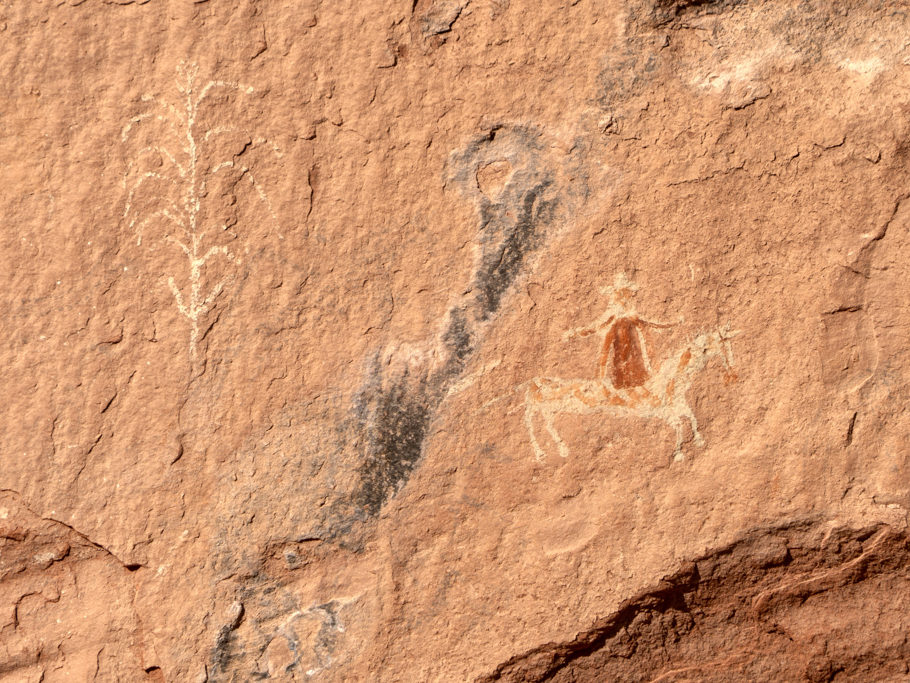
663, 396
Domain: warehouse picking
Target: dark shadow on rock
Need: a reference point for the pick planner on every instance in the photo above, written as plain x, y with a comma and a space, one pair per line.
796, 602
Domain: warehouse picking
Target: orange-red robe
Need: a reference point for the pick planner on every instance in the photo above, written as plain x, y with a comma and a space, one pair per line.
628, 368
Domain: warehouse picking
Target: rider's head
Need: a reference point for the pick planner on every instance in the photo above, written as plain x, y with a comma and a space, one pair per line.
623, 289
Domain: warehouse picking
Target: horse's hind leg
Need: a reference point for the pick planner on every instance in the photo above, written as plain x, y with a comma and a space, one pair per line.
677, 451
529, 423
551, 430
697, 438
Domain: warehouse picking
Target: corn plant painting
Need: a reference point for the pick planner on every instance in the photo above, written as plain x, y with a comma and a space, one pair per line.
167, 184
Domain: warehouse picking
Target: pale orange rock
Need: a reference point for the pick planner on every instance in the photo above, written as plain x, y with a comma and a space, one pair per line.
296, 384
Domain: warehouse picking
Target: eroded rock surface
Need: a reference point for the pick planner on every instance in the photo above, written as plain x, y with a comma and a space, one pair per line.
454, 339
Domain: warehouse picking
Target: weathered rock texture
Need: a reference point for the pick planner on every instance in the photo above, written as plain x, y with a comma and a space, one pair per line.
445, 340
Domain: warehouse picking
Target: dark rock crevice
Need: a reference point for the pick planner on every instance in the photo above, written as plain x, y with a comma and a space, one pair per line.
797, 602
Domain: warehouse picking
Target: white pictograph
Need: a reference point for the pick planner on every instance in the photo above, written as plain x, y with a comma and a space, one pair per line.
172, 178
312, 635
626, 386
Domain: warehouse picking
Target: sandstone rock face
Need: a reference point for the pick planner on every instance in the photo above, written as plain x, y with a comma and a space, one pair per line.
445, 340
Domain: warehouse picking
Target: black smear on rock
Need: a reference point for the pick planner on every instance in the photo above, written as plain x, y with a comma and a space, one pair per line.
394, 414
348, 471
221, 653
458, 340
394, 422
372, 450
394, 411
514, 223
512, 243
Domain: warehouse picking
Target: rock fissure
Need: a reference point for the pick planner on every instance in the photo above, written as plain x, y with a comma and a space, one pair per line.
759, 597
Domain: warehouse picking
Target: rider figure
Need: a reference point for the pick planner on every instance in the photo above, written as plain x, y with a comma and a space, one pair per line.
624, 357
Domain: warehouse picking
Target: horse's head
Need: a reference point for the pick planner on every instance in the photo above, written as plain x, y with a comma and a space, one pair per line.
716, 343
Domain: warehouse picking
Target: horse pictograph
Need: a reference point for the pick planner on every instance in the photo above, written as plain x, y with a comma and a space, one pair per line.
174, 180
627, 386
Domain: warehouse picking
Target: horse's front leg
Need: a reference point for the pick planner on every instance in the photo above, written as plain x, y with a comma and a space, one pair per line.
693, 423
529, 422
551, 430
678, 451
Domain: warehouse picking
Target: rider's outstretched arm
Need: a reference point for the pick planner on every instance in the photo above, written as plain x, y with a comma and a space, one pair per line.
650, 323
590, 329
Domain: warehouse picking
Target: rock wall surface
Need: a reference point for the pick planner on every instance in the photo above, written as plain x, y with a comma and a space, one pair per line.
442, 340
